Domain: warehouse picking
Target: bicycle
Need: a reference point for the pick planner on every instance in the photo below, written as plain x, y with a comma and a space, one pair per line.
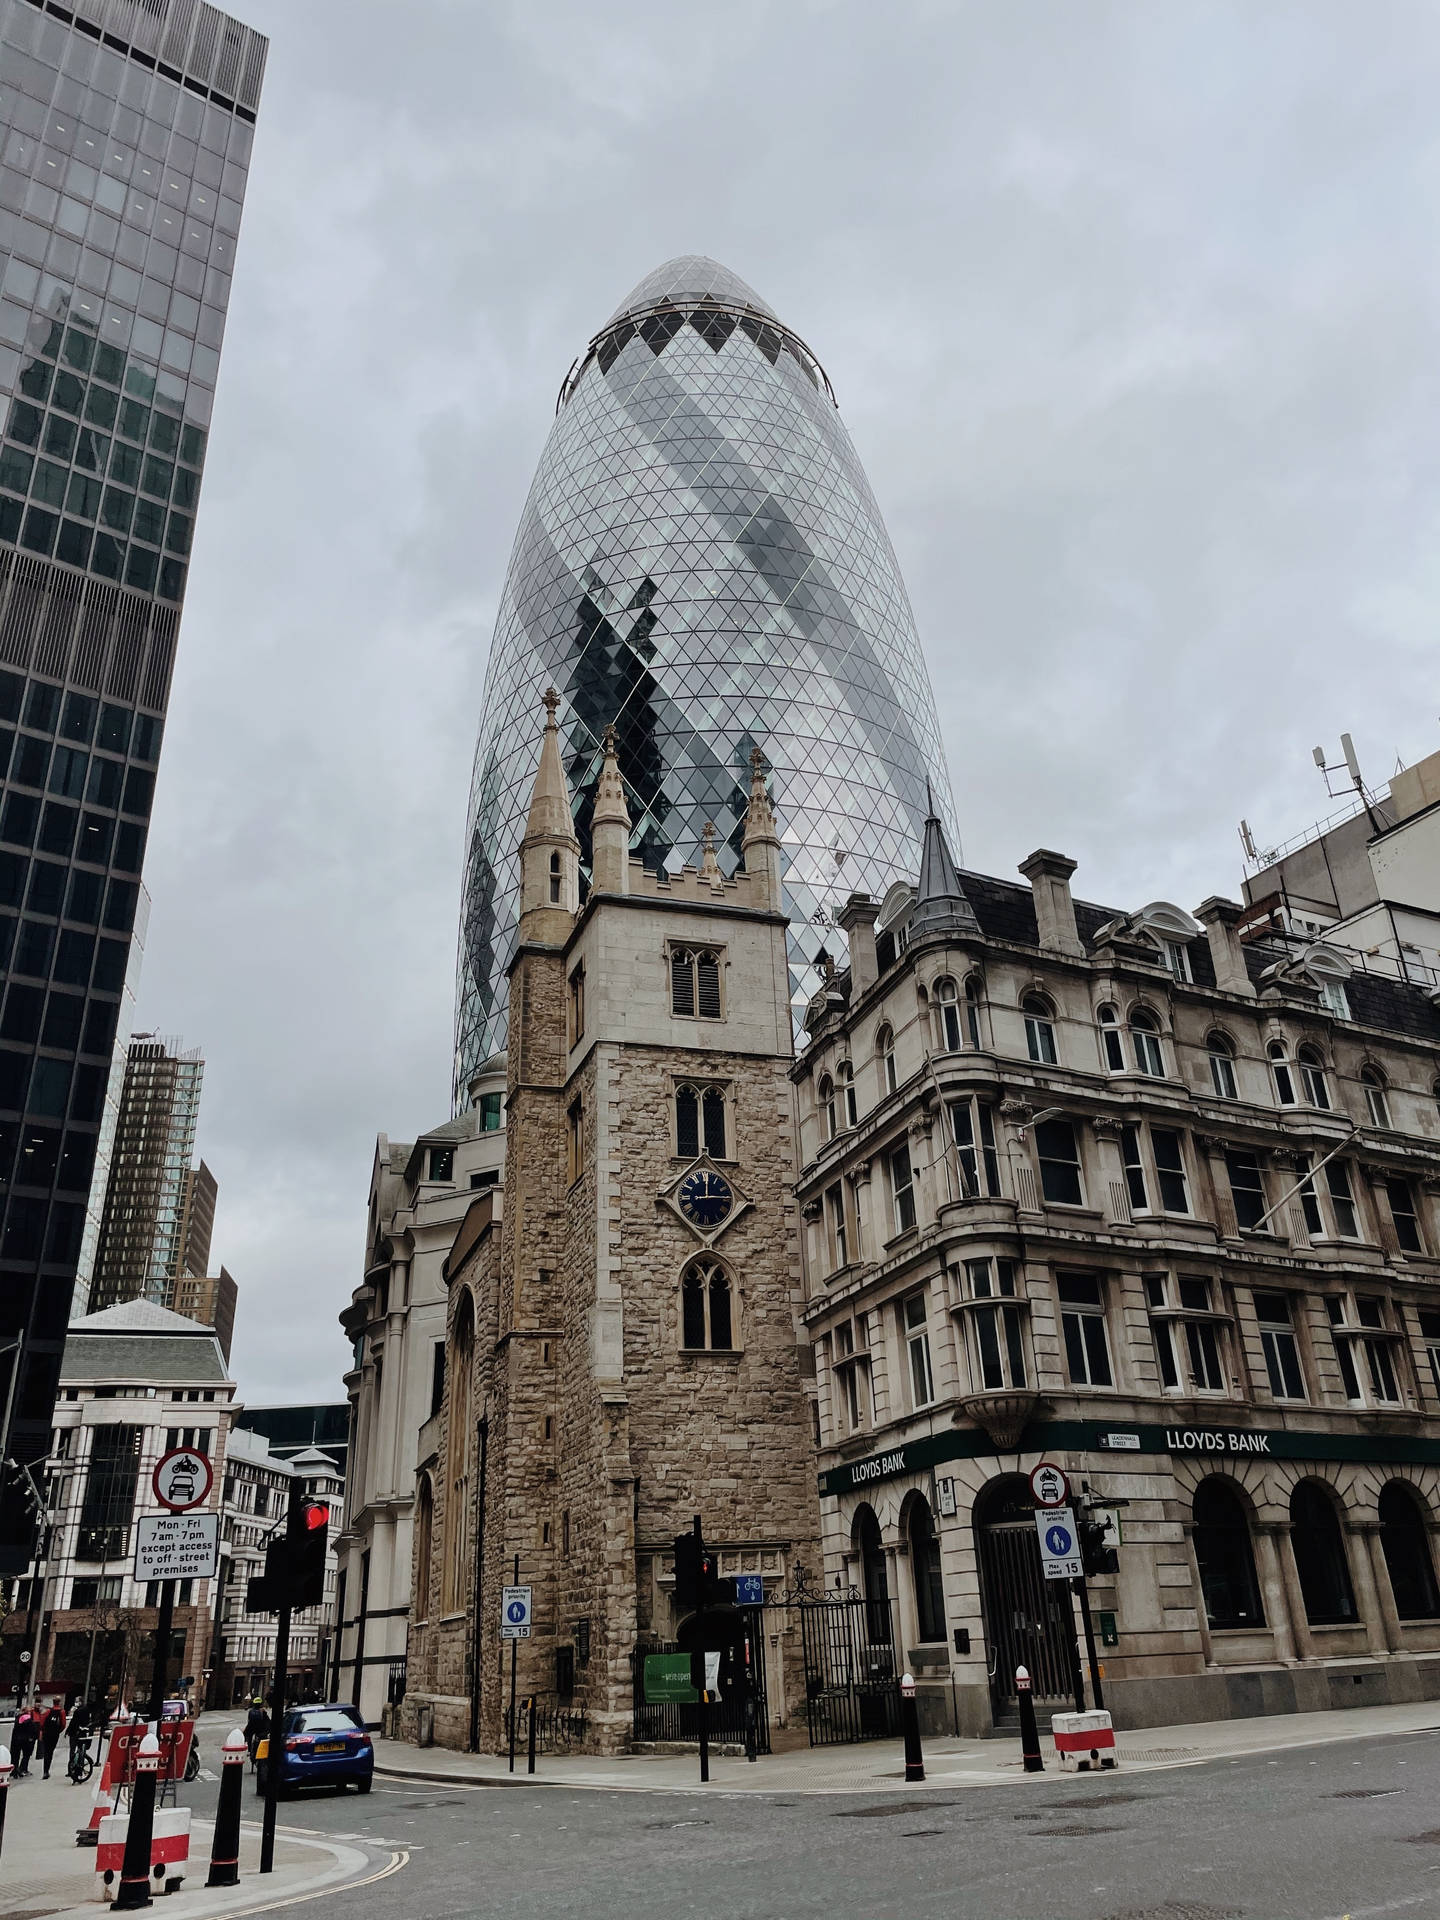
81, 1763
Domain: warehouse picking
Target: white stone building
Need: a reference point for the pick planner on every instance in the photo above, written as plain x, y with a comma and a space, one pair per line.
419, 1194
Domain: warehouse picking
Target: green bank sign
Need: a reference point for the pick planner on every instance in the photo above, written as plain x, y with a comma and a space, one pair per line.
1118, 1441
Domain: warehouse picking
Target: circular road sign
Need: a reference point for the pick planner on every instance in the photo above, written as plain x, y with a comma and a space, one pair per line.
182, 1479
1049, 1486
1059, 1540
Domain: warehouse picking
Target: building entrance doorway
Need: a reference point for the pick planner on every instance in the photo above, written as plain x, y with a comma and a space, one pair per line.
1029, 1620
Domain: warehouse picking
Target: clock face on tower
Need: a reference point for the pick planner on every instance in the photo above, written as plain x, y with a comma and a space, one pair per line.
706, 1198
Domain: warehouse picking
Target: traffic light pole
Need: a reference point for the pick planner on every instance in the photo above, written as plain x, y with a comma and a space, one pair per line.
1082, 1587
277, 1737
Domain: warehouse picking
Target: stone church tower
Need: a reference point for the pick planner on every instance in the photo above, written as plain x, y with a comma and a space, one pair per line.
622, 1332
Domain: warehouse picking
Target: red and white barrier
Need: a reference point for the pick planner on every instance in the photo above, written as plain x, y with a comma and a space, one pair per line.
169, 1851
1084, 1740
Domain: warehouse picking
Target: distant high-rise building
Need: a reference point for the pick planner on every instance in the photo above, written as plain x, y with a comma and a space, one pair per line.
197, 1220
143, 1228
211, 1300
701, 563
125, 131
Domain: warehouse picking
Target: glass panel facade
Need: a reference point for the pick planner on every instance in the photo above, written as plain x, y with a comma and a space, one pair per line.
701, 562
125, 136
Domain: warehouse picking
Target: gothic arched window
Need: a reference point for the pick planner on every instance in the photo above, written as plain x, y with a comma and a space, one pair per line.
707, 1319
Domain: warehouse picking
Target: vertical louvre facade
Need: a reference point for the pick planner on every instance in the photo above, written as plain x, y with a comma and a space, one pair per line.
701, 562
125, 131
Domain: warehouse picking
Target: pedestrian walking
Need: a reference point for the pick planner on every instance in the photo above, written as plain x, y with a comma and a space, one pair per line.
23, 1738
51, 1728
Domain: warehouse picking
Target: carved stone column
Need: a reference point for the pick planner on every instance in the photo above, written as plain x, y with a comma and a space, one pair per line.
1362, 1571
1114, 1195
860, 1189
1294, 1598
1275, 1588
1370, 1552
1201, 1613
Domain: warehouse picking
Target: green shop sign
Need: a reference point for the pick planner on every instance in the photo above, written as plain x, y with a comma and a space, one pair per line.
667, 1680
1116, 1439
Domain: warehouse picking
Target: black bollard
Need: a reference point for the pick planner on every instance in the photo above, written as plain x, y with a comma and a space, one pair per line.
910, 1727
135, 1869
530, 1740
1029, 1732
6, 1769
225, 1846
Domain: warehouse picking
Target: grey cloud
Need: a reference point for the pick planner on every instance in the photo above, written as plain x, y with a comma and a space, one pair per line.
1130, 312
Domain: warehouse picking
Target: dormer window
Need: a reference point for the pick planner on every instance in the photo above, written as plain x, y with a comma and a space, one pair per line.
1171, 930
1176, 958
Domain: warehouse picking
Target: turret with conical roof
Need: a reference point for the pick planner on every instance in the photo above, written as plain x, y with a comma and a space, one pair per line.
549, 852
940, 903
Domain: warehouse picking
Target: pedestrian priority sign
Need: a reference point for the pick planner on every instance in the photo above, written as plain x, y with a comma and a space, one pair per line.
515, 1613
1059, 1543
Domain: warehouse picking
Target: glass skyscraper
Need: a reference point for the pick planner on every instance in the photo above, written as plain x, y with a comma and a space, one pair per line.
701, 562
125, 130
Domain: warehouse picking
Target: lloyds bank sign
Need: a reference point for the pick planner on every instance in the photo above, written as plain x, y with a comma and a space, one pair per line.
1115, 1442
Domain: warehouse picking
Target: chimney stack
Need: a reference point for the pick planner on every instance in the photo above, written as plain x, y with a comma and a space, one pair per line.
1049, 876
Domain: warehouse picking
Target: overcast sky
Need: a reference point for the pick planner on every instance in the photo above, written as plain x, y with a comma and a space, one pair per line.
1130, 309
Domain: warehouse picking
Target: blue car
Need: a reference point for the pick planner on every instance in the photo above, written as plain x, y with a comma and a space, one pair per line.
324, 1747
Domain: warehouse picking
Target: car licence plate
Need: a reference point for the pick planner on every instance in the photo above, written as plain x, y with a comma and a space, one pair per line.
329, 1746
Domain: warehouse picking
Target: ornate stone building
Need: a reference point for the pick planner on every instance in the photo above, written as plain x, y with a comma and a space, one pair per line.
1122, 1191
623, 1349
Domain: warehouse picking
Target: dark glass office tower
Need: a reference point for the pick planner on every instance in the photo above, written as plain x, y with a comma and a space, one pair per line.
702, 563
125, 130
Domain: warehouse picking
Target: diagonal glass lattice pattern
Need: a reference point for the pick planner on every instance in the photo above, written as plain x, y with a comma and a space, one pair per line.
702, 562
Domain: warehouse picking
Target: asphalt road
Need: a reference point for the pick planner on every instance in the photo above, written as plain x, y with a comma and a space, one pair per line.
1351, 1829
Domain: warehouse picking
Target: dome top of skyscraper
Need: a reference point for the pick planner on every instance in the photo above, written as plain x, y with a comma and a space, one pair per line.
691, 276
701, 566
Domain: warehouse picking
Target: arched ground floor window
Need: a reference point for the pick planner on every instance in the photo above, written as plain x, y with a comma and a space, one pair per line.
1405, 1540
1320, 1560
1225, 1557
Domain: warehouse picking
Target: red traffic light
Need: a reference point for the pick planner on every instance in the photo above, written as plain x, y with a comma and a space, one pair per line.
316, 1517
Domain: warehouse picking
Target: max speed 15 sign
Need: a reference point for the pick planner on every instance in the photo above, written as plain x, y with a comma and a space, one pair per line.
1059, 1543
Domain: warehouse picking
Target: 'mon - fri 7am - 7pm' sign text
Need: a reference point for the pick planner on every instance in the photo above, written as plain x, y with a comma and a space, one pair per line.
177, 1546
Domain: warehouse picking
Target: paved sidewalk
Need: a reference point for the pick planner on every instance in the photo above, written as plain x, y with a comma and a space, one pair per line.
879, 1766
43, 1872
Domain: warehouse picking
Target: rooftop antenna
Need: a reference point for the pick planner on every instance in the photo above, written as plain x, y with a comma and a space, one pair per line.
1351, 764
1247, 841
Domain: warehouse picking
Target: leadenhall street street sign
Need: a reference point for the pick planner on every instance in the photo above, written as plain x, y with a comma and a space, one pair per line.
1049, 1437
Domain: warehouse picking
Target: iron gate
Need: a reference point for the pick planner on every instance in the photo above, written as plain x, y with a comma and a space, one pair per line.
852, 1681
674, 1721
1029, 1621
